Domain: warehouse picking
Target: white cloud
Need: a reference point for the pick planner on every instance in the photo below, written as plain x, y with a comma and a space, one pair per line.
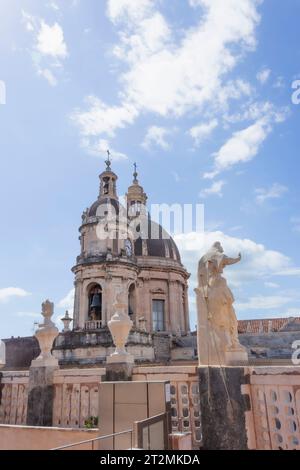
98, 148
243, 146
156, 136
50, 41
200, 132
258, 262
274, 192
124, 10
49, 48
170, 75
169, 78
53, 5
10, 292
263, 76
254, 111
28, 20
271, 285
215, 189
49, 76
292, 312
68, 301
263, 302
101, 119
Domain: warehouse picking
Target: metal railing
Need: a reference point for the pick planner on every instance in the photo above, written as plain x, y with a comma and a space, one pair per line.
139, 439
97, 439
144, 440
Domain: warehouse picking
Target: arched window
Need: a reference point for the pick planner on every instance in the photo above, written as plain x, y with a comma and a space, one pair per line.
131, 302
95, 303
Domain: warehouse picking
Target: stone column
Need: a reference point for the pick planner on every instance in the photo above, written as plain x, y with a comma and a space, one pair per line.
223, 407
147, 304
41, 372
77, 285
186, 309
173, 308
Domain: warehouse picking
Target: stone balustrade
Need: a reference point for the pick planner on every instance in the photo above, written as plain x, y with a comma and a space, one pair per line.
93, 325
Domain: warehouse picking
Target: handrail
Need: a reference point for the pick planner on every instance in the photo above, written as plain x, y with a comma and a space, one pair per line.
94, 440
146, 423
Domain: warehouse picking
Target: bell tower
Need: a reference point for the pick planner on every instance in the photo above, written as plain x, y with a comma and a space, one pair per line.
108, 181
136, 197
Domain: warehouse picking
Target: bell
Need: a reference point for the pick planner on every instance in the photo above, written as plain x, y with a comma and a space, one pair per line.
96, 303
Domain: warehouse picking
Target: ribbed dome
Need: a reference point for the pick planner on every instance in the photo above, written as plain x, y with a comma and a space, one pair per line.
155, 241
108, 201
158, 243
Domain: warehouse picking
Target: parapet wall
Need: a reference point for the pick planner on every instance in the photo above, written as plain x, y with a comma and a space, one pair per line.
38, 438
270, 346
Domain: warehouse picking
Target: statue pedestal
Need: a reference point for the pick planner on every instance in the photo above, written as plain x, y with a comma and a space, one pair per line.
45, 362
236, 358
41, 373
118, 372
120, 359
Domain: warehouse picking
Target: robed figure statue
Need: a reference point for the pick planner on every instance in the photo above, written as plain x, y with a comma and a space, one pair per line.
217, 330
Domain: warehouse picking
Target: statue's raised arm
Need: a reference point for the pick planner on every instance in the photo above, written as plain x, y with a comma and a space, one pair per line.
228, 261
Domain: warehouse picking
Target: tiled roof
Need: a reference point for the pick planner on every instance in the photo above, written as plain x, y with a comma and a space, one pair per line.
266, 325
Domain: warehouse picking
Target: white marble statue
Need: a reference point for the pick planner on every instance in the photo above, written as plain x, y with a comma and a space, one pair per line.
218, 341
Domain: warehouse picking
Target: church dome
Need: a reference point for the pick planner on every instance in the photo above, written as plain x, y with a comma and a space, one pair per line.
129, 229
94, 210
160, 245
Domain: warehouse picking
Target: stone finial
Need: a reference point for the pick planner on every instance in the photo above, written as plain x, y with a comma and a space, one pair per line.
47, 310
119, 327
46, 334
67, 320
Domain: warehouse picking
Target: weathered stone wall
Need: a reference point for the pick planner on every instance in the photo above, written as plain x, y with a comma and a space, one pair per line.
88, 348
68, 402
75, 396
162, 347
275, 396
13, 397
20, 352
270, 346
85, 348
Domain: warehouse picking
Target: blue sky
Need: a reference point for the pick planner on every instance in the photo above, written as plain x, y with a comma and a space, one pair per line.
198, 92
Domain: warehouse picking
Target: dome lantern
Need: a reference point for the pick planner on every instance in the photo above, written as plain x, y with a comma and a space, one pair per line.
136, 197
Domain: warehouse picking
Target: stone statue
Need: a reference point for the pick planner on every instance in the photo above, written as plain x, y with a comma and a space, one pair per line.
217, 323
